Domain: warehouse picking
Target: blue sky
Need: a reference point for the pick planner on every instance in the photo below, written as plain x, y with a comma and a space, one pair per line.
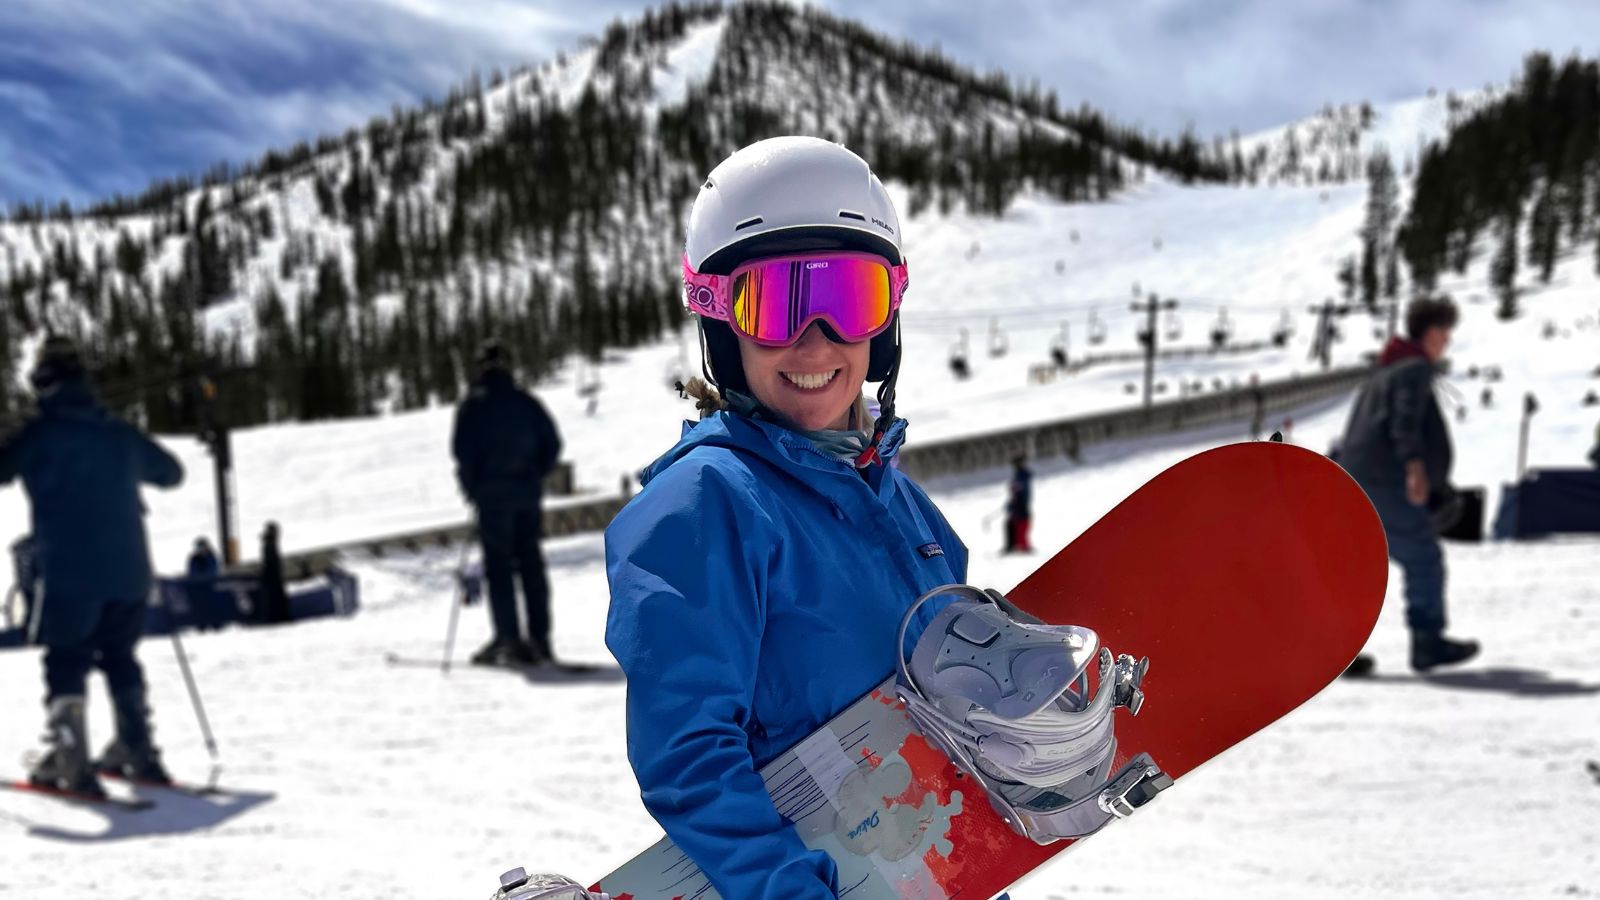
98, 97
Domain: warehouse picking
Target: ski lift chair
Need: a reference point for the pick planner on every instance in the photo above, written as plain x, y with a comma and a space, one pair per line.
998, 342
958, 358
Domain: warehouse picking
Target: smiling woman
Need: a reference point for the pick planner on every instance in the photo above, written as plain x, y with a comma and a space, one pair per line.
777, 532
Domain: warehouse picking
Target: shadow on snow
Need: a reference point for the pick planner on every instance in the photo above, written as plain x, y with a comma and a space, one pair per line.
174, 813
1500, 679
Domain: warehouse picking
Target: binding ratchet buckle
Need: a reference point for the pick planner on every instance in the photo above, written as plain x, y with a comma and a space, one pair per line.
1137, 784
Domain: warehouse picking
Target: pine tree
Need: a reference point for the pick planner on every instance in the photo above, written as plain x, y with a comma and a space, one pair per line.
1348, 276
1503, 270
1377, 231
1544, 234
1369, 273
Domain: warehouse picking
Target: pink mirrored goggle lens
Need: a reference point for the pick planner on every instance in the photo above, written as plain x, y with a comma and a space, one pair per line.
773, 301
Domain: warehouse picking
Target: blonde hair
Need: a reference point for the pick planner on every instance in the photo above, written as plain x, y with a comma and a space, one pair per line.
709, 401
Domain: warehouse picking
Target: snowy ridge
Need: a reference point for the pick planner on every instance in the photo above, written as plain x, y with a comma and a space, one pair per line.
1334, 145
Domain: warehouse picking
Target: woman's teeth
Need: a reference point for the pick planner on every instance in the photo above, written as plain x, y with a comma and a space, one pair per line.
811, 381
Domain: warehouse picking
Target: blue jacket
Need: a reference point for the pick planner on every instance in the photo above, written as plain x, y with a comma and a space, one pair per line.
756, 588
82, 468
504, 443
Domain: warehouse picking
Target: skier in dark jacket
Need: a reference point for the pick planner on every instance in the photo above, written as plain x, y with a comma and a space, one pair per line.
505, 444
1397, 446
82, 468
201, 585
1019, 507
203, 560
273, 593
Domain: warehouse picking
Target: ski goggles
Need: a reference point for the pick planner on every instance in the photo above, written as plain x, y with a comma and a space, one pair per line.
773, 301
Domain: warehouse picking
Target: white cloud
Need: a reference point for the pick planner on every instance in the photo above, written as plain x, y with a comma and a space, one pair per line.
1240, 63
164, 87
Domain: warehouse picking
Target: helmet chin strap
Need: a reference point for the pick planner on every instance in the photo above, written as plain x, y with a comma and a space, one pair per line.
882, 426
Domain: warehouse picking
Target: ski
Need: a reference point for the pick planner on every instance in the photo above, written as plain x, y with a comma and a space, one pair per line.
124, 803
556, 669
177, 787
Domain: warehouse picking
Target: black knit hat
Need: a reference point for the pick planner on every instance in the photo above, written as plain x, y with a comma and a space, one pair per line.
57, 361
492, 354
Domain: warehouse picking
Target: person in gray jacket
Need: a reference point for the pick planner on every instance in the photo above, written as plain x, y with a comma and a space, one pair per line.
1397, 447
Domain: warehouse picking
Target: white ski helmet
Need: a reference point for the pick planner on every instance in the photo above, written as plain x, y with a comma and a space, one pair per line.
791, 194
785, 195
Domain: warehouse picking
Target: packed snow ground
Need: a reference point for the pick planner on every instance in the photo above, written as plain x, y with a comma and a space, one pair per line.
355, 778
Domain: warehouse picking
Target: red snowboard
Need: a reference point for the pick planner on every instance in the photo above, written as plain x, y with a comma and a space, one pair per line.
1262, 552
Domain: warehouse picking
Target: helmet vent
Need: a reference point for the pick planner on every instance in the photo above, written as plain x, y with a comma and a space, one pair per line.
754, 220
847, 214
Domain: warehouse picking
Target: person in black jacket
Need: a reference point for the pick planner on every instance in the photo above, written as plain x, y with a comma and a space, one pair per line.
274, 595
1019, 507
201, 585
82, 468
505, 444
1397, 446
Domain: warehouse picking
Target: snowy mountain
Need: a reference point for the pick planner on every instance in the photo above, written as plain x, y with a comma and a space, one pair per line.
352, 276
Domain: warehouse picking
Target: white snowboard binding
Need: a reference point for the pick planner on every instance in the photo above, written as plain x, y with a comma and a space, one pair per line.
1007, 698
517, 884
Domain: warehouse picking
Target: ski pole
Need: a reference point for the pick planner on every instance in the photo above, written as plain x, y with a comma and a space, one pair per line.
456, 598
199, 709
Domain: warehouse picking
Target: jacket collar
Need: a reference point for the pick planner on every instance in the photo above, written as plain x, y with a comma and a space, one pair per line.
777, 445
1399, 349
70, 399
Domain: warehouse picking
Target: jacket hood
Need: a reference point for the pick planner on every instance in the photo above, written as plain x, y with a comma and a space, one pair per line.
1399, 349
774, 443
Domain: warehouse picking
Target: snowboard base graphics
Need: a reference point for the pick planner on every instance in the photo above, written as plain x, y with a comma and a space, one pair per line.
1250, 576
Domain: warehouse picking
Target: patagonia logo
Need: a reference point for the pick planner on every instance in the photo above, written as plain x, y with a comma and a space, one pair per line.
929, 551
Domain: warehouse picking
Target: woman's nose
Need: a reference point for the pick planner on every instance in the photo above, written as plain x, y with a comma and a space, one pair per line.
819, 332
812, 336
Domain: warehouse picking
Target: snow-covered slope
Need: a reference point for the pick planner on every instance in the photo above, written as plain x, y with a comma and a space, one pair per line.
1336, 143
1265, 254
